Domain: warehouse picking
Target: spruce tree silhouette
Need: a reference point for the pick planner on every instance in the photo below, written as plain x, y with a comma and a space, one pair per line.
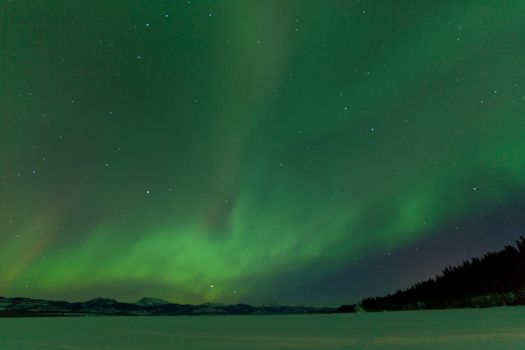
497, 278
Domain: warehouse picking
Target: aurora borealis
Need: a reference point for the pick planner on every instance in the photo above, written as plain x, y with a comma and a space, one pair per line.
292, 151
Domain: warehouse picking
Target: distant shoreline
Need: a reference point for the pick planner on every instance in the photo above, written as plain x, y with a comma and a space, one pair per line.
27, 307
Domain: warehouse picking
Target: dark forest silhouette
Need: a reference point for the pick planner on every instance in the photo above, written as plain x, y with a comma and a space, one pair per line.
496, 279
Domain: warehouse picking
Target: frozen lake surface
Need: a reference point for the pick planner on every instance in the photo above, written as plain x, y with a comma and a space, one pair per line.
496, 328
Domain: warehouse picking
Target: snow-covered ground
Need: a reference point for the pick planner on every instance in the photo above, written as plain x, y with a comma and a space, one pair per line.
496, 328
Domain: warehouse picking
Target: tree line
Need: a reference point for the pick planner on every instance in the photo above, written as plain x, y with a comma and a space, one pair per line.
495, 279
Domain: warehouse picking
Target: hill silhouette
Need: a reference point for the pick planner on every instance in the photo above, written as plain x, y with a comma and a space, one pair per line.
26, 307
496, 279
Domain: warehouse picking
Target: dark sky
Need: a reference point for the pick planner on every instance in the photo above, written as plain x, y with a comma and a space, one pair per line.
294, 152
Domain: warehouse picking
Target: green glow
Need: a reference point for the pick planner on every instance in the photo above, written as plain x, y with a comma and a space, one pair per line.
248, 142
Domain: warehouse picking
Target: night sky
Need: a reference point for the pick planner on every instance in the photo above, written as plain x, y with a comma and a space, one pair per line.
293, 152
